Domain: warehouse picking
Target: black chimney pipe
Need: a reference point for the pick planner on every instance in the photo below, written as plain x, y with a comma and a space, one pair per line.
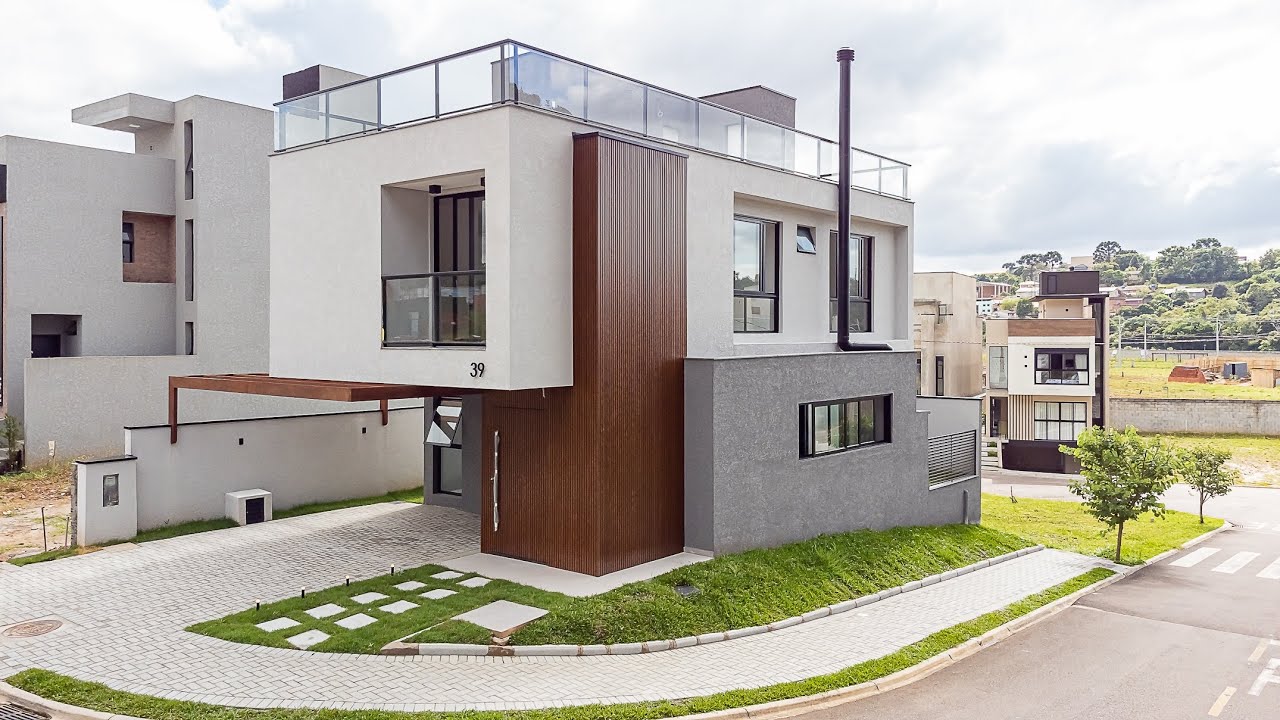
844, 56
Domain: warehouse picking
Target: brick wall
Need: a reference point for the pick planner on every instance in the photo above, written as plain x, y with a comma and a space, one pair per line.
153, 249
1247, 417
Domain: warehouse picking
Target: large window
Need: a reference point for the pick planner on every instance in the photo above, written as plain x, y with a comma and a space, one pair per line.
126, 241
445, 437
1062, 367
998, 366
859, 283
828, 427
445, 306
755, 275
1060, 420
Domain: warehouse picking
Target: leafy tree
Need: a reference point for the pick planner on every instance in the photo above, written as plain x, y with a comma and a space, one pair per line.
1009, 303
1024, 308
1109, 274
1205, 470
1259, 295
1206, 260
1158, 302
1052, 259
1206, 243
11, 435
999, 277
1270, 259
1219, 291
1180, 297
1106, 251
1124, 476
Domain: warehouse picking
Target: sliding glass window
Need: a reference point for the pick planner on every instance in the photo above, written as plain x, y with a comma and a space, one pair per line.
755, 275
835, 425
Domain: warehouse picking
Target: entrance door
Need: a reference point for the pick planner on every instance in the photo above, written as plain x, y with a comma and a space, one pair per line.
996, 410
46, 346
514, 498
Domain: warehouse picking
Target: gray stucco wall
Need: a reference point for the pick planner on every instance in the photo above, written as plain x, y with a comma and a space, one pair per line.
1171, 415
746, 484
299, 459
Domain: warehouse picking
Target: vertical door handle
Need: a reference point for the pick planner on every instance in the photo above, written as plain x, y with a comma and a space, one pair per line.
494, 479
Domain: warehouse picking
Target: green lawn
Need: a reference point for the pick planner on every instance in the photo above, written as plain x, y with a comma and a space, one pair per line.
1150, 379
1066, 526
740, 590
1257, 457
99, 697
199, 526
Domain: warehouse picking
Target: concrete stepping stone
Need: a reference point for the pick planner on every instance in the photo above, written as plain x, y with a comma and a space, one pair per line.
410, 585
369, 597
502, 617
475, 582
302, 641
326, 610
353, 622
447, 575
437, 594
281, 623
398, 607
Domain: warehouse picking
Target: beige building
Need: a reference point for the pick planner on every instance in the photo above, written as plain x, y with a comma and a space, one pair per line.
1047, 379
948, 335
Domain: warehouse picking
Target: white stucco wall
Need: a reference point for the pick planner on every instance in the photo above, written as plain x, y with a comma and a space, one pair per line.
95, 522
1022, 360
299, 460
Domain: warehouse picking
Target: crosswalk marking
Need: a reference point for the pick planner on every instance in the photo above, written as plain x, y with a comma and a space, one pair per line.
1194, 558
1236, 562
1271, 572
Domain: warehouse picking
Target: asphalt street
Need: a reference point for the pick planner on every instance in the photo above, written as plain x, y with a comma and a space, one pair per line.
1194, 636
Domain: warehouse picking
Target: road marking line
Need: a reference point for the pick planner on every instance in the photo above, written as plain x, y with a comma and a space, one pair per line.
1236, 562
1254, 526
1257, 652
1271, 572
1266, 676
1223, 699
1193, 558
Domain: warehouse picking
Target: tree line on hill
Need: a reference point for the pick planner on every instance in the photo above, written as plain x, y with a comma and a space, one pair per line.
1240, 311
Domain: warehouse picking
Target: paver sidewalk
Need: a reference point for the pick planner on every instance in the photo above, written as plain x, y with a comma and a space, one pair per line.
128, 608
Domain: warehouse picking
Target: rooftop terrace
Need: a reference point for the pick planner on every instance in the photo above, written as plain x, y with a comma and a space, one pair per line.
508, 72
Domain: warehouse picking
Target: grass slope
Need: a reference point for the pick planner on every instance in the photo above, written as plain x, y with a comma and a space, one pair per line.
1257, 457
99, 697
1067, 526
739, 590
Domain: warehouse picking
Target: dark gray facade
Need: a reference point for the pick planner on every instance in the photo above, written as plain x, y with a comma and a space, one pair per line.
746, 484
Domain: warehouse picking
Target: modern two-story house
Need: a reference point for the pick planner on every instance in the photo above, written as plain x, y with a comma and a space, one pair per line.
948, 335
645, 322
1046, 375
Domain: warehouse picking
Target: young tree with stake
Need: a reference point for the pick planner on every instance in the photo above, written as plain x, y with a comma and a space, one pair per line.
1205, 470
1124, 476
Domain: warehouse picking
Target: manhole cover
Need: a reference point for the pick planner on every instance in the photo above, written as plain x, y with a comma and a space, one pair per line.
32, 629
13, 712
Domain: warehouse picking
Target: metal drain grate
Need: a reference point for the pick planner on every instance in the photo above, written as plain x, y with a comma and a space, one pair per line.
32, 629
13, 712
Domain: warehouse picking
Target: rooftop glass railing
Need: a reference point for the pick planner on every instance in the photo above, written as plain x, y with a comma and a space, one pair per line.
510, 72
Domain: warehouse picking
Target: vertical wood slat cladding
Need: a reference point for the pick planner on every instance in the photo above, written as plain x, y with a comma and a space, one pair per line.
611, 491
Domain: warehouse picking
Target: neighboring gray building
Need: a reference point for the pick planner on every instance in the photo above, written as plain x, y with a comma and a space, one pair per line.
121, 269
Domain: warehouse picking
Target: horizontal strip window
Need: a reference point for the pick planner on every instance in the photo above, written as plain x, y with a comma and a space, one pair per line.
838, 425
952, 457
1059, 420
1062, 367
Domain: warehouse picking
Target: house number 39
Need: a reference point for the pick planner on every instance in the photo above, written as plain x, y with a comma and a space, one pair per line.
477, 369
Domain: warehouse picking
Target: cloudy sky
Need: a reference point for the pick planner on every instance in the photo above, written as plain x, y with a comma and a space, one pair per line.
1030, 126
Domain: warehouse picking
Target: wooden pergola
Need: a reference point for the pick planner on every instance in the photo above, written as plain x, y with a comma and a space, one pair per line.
263, 384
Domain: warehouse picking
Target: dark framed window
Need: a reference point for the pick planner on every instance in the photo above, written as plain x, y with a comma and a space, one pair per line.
126, 241
919, 374
189, 340
110, 490
755, 275
806, 240
188, 151
1059, 420
838, 425
859, 282
939, 386
444, 434
1062, 367
189, 260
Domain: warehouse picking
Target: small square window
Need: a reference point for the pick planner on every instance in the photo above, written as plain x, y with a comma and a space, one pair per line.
804, 240
110, 490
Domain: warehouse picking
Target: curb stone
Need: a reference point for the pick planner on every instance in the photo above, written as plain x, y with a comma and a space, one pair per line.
653, 646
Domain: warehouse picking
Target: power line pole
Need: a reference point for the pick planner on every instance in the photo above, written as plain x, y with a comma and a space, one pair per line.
1217, 334
1144, 339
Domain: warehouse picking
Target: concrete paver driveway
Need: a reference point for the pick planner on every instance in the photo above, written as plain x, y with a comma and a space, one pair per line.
126, 610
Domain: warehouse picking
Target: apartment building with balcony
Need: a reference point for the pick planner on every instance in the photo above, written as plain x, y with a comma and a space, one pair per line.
948, 335
1047, 378
122, 268
623, 305
989, 295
